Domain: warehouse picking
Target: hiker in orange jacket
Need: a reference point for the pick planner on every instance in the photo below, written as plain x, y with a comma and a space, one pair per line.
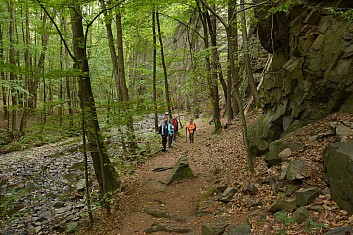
191, 128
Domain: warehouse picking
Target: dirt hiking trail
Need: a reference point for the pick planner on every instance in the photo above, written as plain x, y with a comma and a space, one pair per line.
182, 207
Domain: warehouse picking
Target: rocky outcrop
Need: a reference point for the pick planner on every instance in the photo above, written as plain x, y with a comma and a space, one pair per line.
338, 167
312, 71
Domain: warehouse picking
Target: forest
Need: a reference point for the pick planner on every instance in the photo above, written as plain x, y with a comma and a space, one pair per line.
86, 85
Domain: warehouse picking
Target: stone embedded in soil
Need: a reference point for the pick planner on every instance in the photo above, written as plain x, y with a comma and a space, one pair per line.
296, 170
340, 231
289, 189
306, 196
159, 227
207, 229
251, 189
181, 170
300, 215
228, 194
58, 204
243, 229
283, 204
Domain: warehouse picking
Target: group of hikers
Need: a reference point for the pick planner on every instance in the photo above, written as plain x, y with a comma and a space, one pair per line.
169, 131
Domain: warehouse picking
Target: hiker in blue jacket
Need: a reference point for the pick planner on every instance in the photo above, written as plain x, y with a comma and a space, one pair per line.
170, 133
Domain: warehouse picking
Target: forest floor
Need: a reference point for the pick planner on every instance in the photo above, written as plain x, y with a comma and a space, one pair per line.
146, 204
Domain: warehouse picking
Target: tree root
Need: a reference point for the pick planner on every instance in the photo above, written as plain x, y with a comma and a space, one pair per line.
164, 214
159, 227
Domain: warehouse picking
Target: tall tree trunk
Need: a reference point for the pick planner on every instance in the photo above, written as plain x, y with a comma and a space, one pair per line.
233, 47
105, 171
232, 31
124, 92
2, 76
12, 62
211, 20
247, 61
165, 74
154, 76
203, 18
28, 63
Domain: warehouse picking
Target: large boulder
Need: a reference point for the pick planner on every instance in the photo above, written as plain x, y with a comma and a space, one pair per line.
338, 166
262, 132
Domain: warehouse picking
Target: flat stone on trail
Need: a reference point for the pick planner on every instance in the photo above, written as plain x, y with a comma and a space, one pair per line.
181, 170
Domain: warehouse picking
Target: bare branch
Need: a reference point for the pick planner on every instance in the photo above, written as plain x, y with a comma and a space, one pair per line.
57, 28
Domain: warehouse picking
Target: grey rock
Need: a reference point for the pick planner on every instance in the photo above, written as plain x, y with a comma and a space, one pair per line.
81, 185
274, 185
300, 215
243, 229
37, 229
306, 196
212, 229
297, 170
338, 167
283, 204
344, 130
280, 150
46, 215
285, 153
58, 204
228, 194
340, 231
289, 189
251, 189
181, 170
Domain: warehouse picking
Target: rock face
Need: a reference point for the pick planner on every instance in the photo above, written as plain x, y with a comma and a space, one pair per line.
312, 71
338, 165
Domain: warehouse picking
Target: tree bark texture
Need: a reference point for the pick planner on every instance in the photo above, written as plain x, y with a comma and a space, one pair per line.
108, 178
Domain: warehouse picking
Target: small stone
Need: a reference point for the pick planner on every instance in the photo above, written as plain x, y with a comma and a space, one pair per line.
285, 153
296, 170
283, 204
251, 189
228, 194
289, 189
58, 204
340, 231
306, 196
37, 229
300, 215
243, 229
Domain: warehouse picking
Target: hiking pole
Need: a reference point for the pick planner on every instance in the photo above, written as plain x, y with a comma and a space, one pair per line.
186, 135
